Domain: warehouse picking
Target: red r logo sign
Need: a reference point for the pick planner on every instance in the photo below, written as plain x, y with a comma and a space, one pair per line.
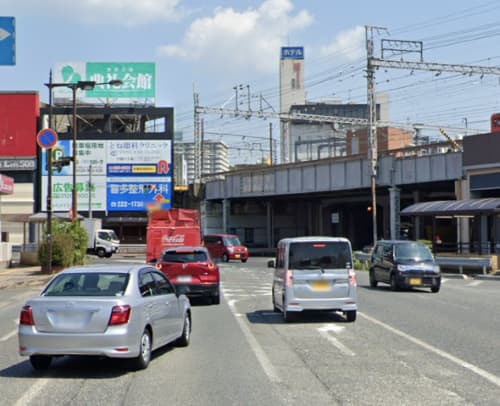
163, 167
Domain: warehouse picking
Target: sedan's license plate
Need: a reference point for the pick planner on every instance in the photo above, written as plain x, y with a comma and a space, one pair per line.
184, 279
236, 255
320, 285
415, 281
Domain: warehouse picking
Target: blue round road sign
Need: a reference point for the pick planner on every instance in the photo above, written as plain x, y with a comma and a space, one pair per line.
47, 138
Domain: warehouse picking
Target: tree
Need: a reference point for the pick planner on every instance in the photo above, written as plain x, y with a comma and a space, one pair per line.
69, 245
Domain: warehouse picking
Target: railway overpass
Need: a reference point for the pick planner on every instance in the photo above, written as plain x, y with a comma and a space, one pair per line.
332, 196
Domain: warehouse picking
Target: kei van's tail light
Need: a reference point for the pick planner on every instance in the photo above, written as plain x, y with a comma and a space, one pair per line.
26, 316
120, 314
288, 278
352, 277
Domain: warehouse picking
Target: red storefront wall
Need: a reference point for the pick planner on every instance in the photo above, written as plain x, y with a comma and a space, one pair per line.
19, 112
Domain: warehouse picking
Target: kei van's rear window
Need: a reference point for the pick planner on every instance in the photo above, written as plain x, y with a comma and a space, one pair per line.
320, 255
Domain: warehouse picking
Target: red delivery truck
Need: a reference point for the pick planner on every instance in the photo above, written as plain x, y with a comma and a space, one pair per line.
171, 228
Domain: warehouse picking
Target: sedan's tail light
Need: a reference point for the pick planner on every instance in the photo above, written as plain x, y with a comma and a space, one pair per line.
26, 316
119, 315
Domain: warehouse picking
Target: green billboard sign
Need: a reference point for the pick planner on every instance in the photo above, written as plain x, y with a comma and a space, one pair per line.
138, 80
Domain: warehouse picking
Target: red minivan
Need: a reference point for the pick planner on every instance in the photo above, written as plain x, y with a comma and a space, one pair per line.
226, 247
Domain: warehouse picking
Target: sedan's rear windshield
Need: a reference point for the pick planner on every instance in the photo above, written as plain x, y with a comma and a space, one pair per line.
320, 255
183, 256
88, 284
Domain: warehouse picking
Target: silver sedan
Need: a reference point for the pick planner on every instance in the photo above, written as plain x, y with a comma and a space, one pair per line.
118, 311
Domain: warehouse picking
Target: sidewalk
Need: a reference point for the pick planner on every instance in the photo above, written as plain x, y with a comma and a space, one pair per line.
18, 276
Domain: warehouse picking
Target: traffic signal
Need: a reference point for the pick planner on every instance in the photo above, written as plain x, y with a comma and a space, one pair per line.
63, 161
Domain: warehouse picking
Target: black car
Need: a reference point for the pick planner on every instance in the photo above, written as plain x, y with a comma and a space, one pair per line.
404, 264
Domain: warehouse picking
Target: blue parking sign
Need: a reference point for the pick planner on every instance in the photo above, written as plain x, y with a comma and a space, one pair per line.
7, 41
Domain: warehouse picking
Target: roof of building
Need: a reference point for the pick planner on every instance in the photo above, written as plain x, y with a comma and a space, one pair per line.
454, 207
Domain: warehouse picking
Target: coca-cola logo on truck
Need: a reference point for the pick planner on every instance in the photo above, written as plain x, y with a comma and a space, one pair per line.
173, 239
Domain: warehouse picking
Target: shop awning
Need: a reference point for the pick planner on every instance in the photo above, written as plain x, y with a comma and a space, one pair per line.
468, 207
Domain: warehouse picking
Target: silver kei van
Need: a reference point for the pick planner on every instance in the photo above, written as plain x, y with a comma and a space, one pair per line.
314, 273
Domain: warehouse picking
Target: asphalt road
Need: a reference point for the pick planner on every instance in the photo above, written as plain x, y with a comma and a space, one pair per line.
406, 348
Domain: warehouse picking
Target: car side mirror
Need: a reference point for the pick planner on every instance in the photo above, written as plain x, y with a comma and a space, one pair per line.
271, 263
153, 261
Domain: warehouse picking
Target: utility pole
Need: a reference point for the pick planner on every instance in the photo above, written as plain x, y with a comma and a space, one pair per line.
197, 140
270, 143
202, 147
401, 48
49, 191
372, 125
90, 191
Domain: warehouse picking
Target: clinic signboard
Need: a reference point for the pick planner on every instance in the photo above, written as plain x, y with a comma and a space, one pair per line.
138, 81
113, 175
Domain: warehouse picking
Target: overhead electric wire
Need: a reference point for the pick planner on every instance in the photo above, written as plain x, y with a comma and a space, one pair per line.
347, 80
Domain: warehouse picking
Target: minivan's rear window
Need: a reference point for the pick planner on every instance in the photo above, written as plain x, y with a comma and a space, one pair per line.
320, 255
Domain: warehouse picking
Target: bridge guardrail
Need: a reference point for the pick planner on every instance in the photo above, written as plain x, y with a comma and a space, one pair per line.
465, 262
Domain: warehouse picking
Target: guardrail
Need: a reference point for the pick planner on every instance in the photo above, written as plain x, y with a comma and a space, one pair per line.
362, 256
132, 249
465, 262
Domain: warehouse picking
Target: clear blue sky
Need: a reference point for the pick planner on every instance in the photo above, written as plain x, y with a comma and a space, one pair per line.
215, 45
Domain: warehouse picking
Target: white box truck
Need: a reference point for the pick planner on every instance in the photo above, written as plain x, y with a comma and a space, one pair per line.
101, 241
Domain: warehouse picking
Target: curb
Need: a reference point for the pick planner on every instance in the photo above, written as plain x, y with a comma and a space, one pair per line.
454, 276
488, 277
475, 276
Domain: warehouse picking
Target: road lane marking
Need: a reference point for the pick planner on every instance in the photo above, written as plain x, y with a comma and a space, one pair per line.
32, 392
6, 303
11, 334
464, 364
475, 283
324, 331
264, 361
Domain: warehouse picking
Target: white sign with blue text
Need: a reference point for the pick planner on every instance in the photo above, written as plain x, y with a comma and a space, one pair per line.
120, 175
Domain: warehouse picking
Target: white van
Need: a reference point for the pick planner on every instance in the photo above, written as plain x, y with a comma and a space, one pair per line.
314, 273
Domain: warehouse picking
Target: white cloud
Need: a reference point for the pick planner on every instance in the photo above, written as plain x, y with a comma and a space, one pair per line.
119, 12
250, 38
348, 45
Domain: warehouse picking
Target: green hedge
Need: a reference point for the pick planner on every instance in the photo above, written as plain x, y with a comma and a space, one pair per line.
62, 251
69, 245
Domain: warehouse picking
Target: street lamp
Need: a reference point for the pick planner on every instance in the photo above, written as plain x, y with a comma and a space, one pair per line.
82, 85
